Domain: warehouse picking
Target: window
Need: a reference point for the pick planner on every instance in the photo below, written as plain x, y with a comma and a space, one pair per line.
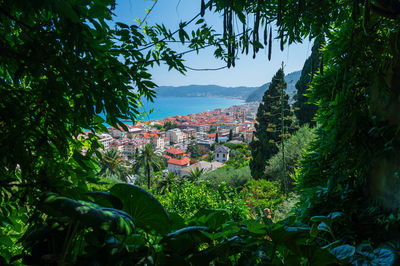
223, 155
217, 155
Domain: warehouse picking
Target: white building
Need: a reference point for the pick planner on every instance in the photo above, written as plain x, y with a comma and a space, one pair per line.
221, 153
175, 135
105, 139
158, 143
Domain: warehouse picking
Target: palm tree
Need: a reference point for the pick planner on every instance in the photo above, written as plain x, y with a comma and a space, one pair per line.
111, 165
166, 183
148, 160
195, 174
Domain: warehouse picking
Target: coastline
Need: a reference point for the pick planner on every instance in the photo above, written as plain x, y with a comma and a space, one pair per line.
164, 107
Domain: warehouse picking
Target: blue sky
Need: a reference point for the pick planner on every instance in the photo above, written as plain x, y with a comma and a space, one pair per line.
248, 71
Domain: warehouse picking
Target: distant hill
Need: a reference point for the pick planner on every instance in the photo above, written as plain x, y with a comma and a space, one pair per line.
250, 94
205, 91
291, 79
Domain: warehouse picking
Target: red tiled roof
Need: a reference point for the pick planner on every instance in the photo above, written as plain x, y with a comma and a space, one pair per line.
166, 156
175, 151
181, 162
212, 135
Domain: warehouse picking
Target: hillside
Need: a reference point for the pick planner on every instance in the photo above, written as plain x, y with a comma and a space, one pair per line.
291, 80
205, 91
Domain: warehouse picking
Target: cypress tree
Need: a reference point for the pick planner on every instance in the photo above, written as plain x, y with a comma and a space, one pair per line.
230, 135
273, 113
305, 111
216, 137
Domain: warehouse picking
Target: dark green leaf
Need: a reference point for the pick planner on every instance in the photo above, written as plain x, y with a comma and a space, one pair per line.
145, 210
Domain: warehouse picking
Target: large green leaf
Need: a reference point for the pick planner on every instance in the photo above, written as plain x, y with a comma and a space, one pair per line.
186, 240
211, 218
343, 252
88, 214
105, 199
146, 211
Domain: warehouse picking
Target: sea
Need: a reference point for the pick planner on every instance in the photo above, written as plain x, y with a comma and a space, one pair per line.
163, 107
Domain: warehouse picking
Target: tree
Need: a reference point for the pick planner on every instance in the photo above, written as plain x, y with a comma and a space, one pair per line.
274, 122
195, 174
166, 183
112, 166
193, 150
305, 111
169, 125
216, 137
230, 135
295, 147
148, 161
64, 63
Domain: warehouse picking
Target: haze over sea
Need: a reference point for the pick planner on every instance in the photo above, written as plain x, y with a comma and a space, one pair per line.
170, 106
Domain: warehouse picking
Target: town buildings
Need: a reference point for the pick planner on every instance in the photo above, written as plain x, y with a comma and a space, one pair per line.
200, 129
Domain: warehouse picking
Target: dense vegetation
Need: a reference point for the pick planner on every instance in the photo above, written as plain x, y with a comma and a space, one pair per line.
55, 82
274, 124
305, 112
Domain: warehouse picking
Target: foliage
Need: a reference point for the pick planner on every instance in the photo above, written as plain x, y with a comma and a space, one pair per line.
274, 122
193, 150
167, 183
238, 156
352, 165
230, 135
304, 111
232, 177
169, 125
295, 147
112, 166
286, 209
212, 130
195, 175
263, 194
149, 161
207, 236
62, 65
159, 127
189, 198
216, 138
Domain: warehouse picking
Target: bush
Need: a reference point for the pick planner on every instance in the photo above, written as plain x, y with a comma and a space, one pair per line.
231, 176
294, 150
189, 198
263, 194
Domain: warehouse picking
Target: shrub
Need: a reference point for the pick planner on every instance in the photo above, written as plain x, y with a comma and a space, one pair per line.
189, 198
294, 150
231, 176
263, 194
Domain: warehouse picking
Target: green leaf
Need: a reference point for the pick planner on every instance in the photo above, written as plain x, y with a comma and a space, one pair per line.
212, 218
105, 199
318, 219
335, 215
200, 21
146, 211
343, 252
324, 227
186, 240
258, 44
98, 119
255, 227
88, 214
